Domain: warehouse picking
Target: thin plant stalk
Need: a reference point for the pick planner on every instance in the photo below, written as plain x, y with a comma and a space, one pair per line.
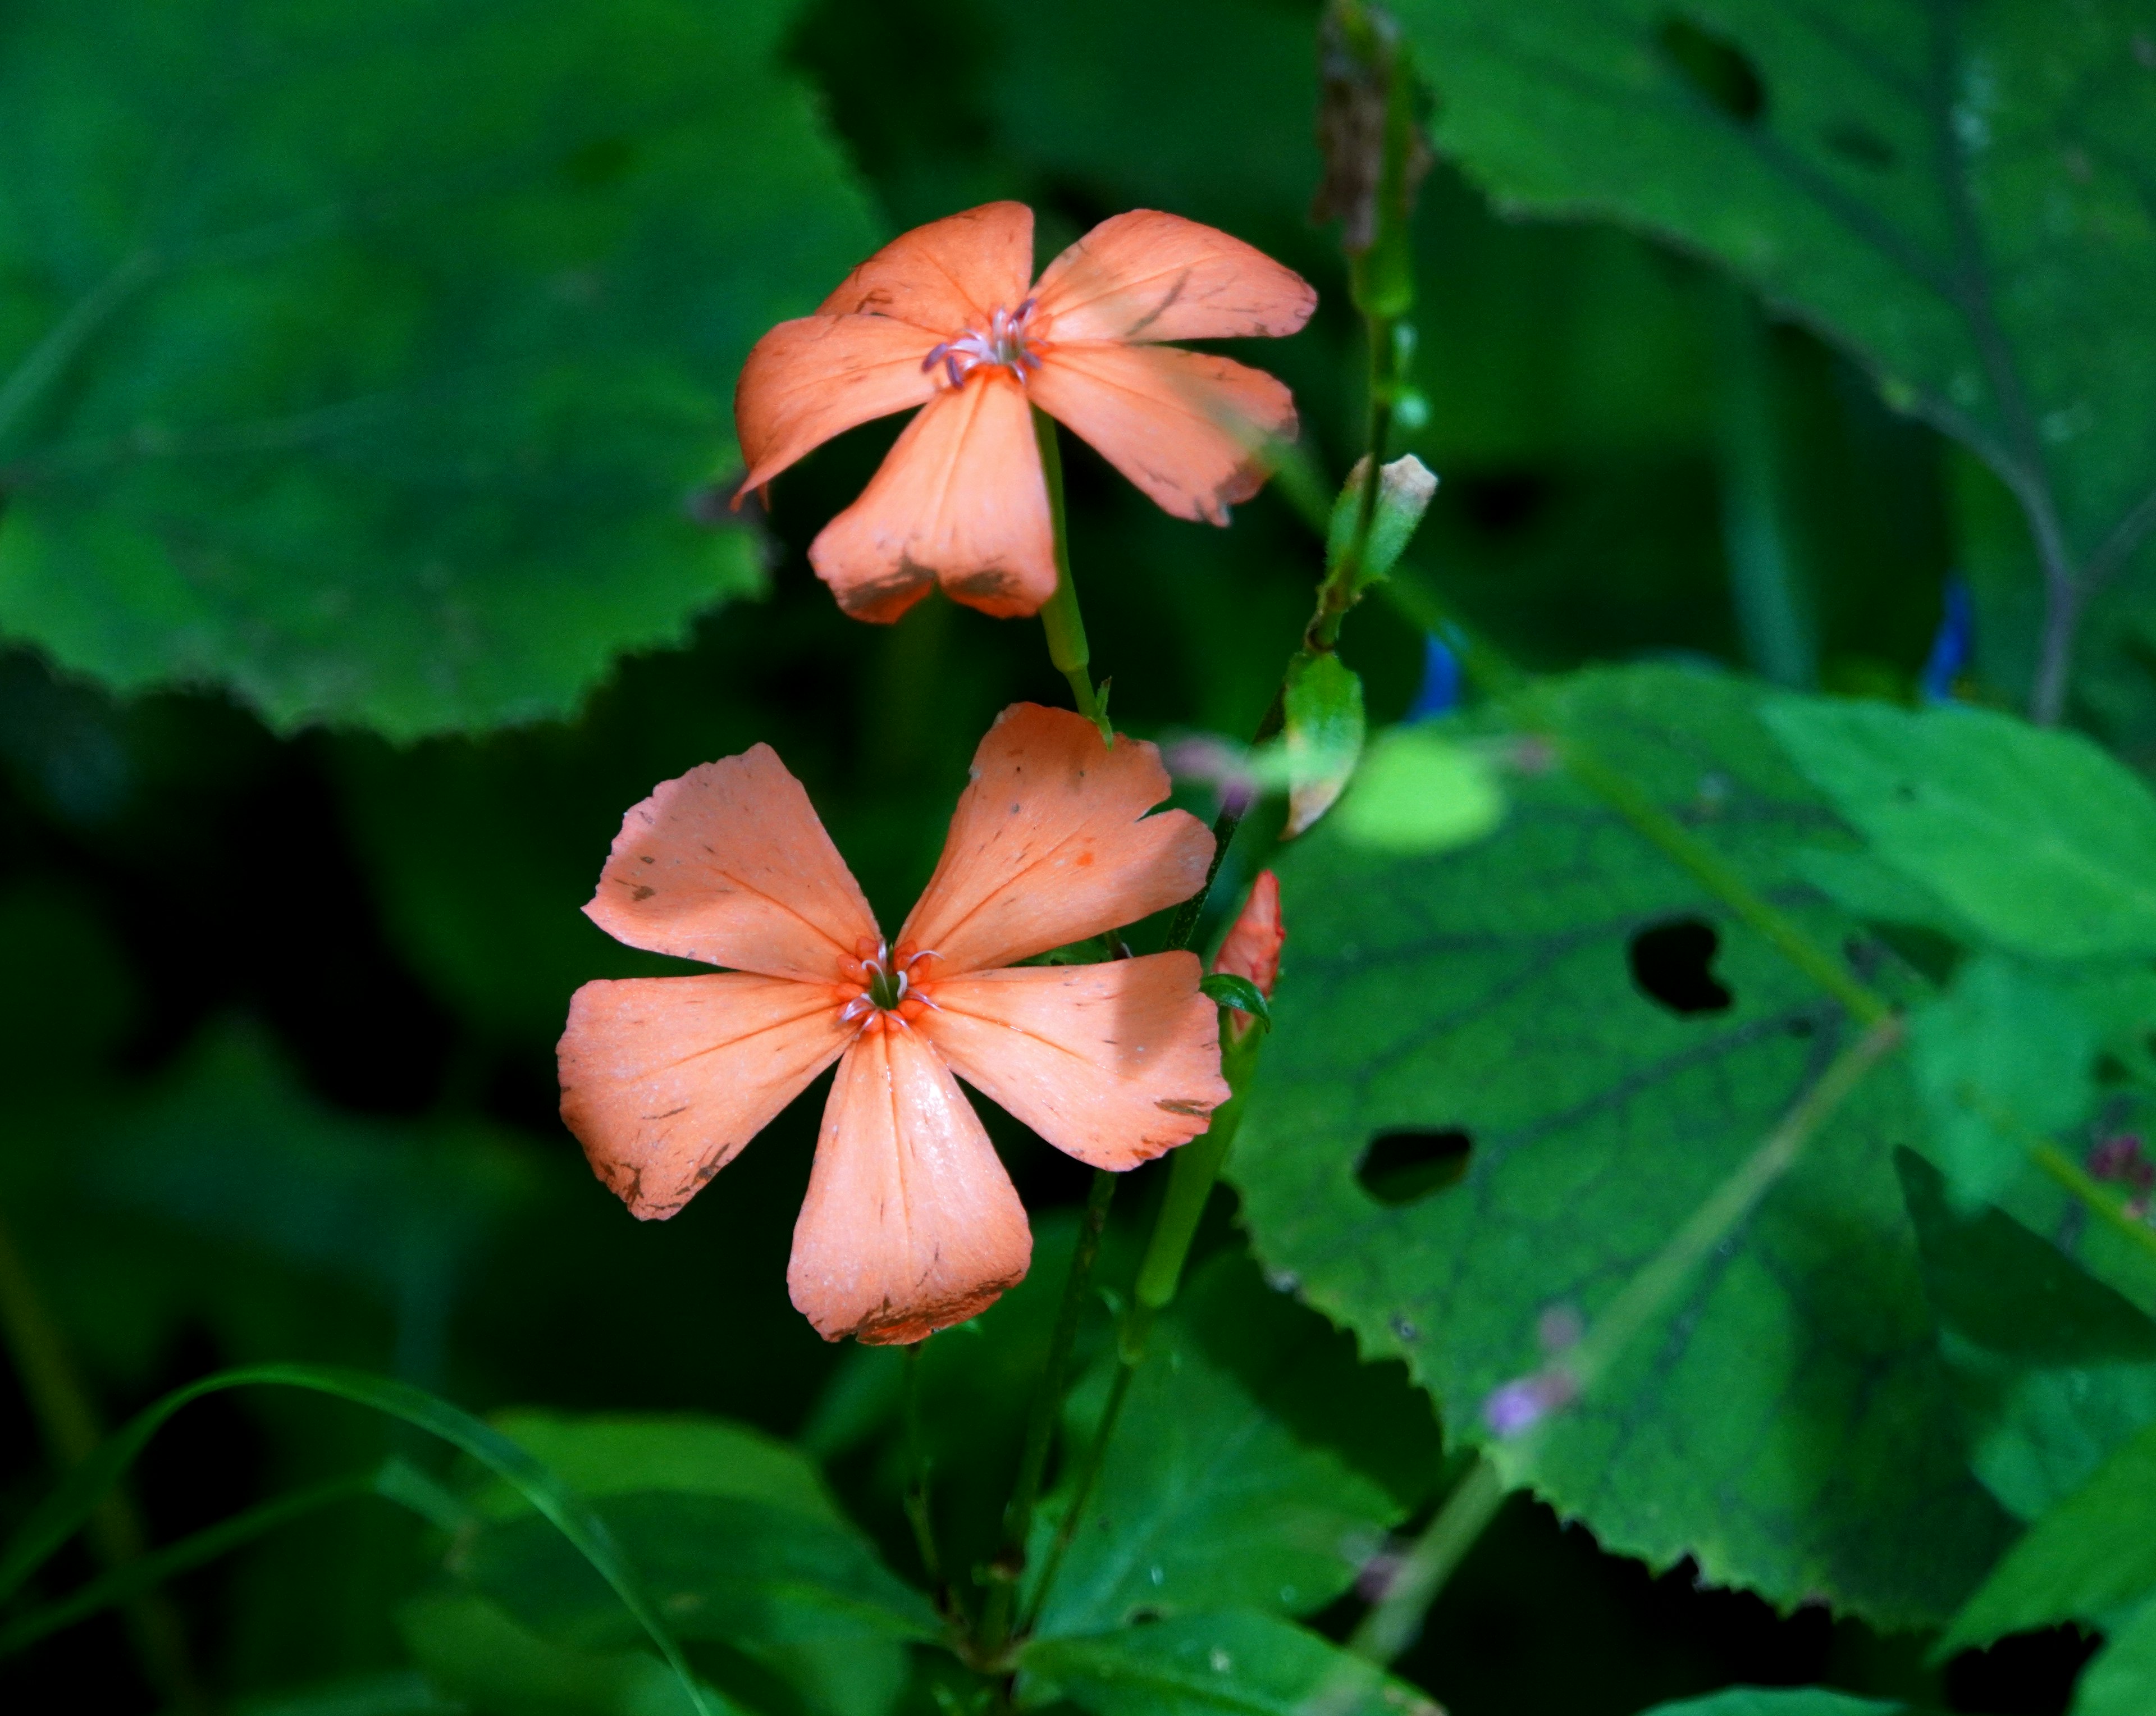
918, 1512
996, 1613
1192, 1174
1060, 618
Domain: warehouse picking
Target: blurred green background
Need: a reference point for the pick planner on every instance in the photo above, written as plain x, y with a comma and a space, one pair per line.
281, 993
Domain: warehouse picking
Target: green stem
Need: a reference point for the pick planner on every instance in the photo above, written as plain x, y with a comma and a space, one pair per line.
1089, 1472
1192, 1175
1766, 583
1064, 625
1394, 1619
1629, 800
1041, 1425
1194, 1169
917, 1488
2104, 1205
1337, 593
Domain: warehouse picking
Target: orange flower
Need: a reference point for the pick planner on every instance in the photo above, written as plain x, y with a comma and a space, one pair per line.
941, 318
911, 1223
1252, 947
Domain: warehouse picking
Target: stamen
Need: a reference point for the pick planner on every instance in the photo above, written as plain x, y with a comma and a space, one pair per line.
1003, 347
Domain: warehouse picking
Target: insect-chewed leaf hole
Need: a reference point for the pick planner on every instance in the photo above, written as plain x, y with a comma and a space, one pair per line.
1717, 69
1674, 963
1401, 1166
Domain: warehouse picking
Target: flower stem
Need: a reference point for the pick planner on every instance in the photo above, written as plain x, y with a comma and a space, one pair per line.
917, 1488
1337, 593
1192, 1175
1041, 1426
1060, 618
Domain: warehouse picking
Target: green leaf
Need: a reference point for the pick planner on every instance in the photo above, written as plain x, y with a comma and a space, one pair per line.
1256, 1465
805, 1599
1958, 194
2001, 1060
623, 1454
1405, 488
1421, 790
1781, 1701
490, 1664
1789, 1422
398, 1693
1227, 989
2089, 1559
1203, 1664
2042, 840
2120, 1681
2054, 1370
62, 1513
232, 1146
1323, 735
405, 416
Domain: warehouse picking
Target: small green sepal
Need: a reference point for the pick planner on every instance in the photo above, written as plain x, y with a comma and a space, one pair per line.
1225, 989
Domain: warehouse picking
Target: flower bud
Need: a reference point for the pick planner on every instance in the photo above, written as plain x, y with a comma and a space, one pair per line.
1252, 946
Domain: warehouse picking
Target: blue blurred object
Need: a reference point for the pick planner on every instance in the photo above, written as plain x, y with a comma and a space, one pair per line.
1952, 646
1438, 693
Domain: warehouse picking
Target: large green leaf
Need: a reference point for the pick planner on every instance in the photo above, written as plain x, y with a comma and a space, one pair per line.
370, 359
1226, 1664
488, 1663
626, 1454
2091, 1559
801, 1598
1789, 1422
1959, 193
2122, 1680
1256, 1465
1780, 1701
2040, 840
2001, 1061
2053, 1368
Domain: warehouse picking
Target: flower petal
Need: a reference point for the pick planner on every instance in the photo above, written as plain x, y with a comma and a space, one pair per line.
1188, 427
1146, 275
729, 865
817, 376
911, 1223
959, 498
663, 1079
949, 275
1113, 1064
1050, 842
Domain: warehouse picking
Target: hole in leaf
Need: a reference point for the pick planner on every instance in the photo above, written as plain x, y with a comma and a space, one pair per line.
1399, 1166
1861, 144
1674, 963
1717, 69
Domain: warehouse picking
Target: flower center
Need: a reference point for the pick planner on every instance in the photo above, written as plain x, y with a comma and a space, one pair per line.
1003, 347
887, 987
